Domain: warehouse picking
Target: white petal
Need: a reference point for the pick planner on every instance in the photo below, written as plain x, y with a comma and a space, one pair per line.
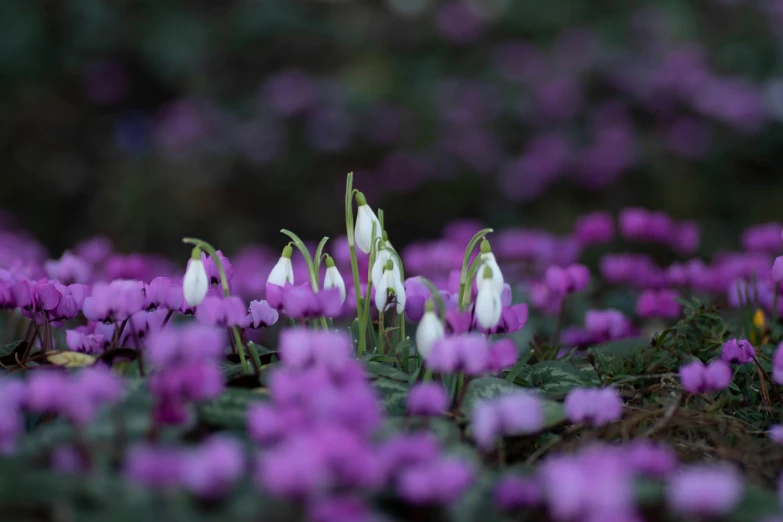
282, 272
333, 279
430, 329
381, 289
488, 307
378, 266
195, 283
365, 217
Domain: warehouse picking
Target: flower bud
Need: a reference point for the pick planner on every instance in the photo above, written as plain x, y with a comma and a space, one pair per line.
430, 329
283, 271
365, 218
333, 279
196, 283
488, 304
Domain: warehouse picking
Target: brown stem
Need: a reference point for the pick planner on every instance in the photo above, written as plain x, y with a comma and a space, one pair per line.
461, 396
166, 319
118, 333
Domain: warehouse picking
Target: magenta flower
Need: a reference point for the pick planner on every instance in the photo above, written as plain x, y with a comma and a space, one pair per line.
341, 509
777, 364
300, 347
598, 406
705, 490
156, 293
607, 325
36, 296
513, 414
212, 271
211, 469
154, 467
260, 315
192, 342
427, 398
115, 301
562, 281
69, 269
466, 353
12, 420
776, 433
513, 493
595, 228
442, 481
294, 469
658, 303
698, 378
738, 350
503, 354
650, 459
301, 302
221, 311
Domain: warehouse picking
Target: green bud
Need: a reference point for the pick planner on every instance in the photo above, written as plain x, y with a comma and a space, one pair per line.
485, 247
360, 199
288, 251
385, 236
430, 306
196, 254
329, 261
487, 272
389, 265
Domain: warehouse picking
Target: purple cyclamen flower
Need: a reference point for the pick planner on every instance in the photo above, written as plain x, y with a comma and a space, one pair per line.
512, 319
561, 281
502, 354
428, 398
221, 311
211, 267
156, 293
467, 353
776, 433
193, 342
607, 325
260, 315
300, 347
513, 493
342, 509
301, 302
777, 364
738, 350
36, 296
12, 420
598, 406
595, 228
513, 414
67, 460
438, 482
650, 459
210, 470
658, 303
294, 469
115, 301
154, 467
705, 490
69, 269
698, 378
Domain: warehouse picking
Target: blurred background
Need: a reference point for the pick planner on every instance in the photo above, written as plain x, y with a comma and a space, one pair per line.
149, 120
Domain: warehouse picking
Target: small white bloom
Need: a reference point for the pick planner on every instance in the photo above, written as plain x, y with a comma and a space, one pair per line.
488, 304
487, 259
430, 329
365, 217
381, 258
333, 279
283, 271
389, 281
195, 283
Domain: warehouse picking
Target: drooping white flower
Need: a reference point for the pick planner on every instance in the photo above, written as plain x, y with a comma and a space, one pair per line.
487, 259
283, 271
333, 279
389, 283
430, 329
365, 217
488, 303
195, 283
382, 257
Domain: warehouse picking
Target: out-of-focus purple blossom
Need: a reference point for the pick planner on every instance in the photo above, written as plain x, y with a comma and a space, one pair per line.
503, 354
776, 433
12, 421
695, 377
300, 347
330, 129
67, 460
598, 406
81, 340
704, 490
650, 459
458, 23
512, 414
221, 311
467, 353
154, 467
607, 325
179, 125
213, 467
428, 398
688, 137
300, 301
69, 269
106, 83
342, 509
738, 350
290, 92
777, 364
442, 482
512, 493
658, 303
115, 301
594, 228
260, 315
192, 342
765, 237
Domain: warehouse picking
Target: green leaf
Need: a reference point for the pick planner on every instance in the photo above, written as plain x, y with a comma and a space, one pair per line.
557, 378
394, 395
230, 409
379, 369
9, 348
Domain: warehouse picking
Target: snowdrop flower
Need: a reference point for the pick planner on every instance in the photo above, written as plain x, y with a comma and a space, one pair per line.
488, 305
365, 218
389, 283
283, 271
333, 279
384, 254
196, 283
488, 260
430, 329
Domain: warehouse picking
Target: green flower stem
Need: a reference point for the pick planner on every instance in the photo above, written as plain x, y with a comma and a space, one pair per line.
309, 260
362, 346
381, 344
224, 284
365, 315
463, 278
466, 290
402, 280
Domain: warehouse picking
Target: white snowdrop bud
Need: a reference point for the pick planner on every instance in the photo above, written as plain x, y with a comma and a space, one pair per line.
195, 283
283, 271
